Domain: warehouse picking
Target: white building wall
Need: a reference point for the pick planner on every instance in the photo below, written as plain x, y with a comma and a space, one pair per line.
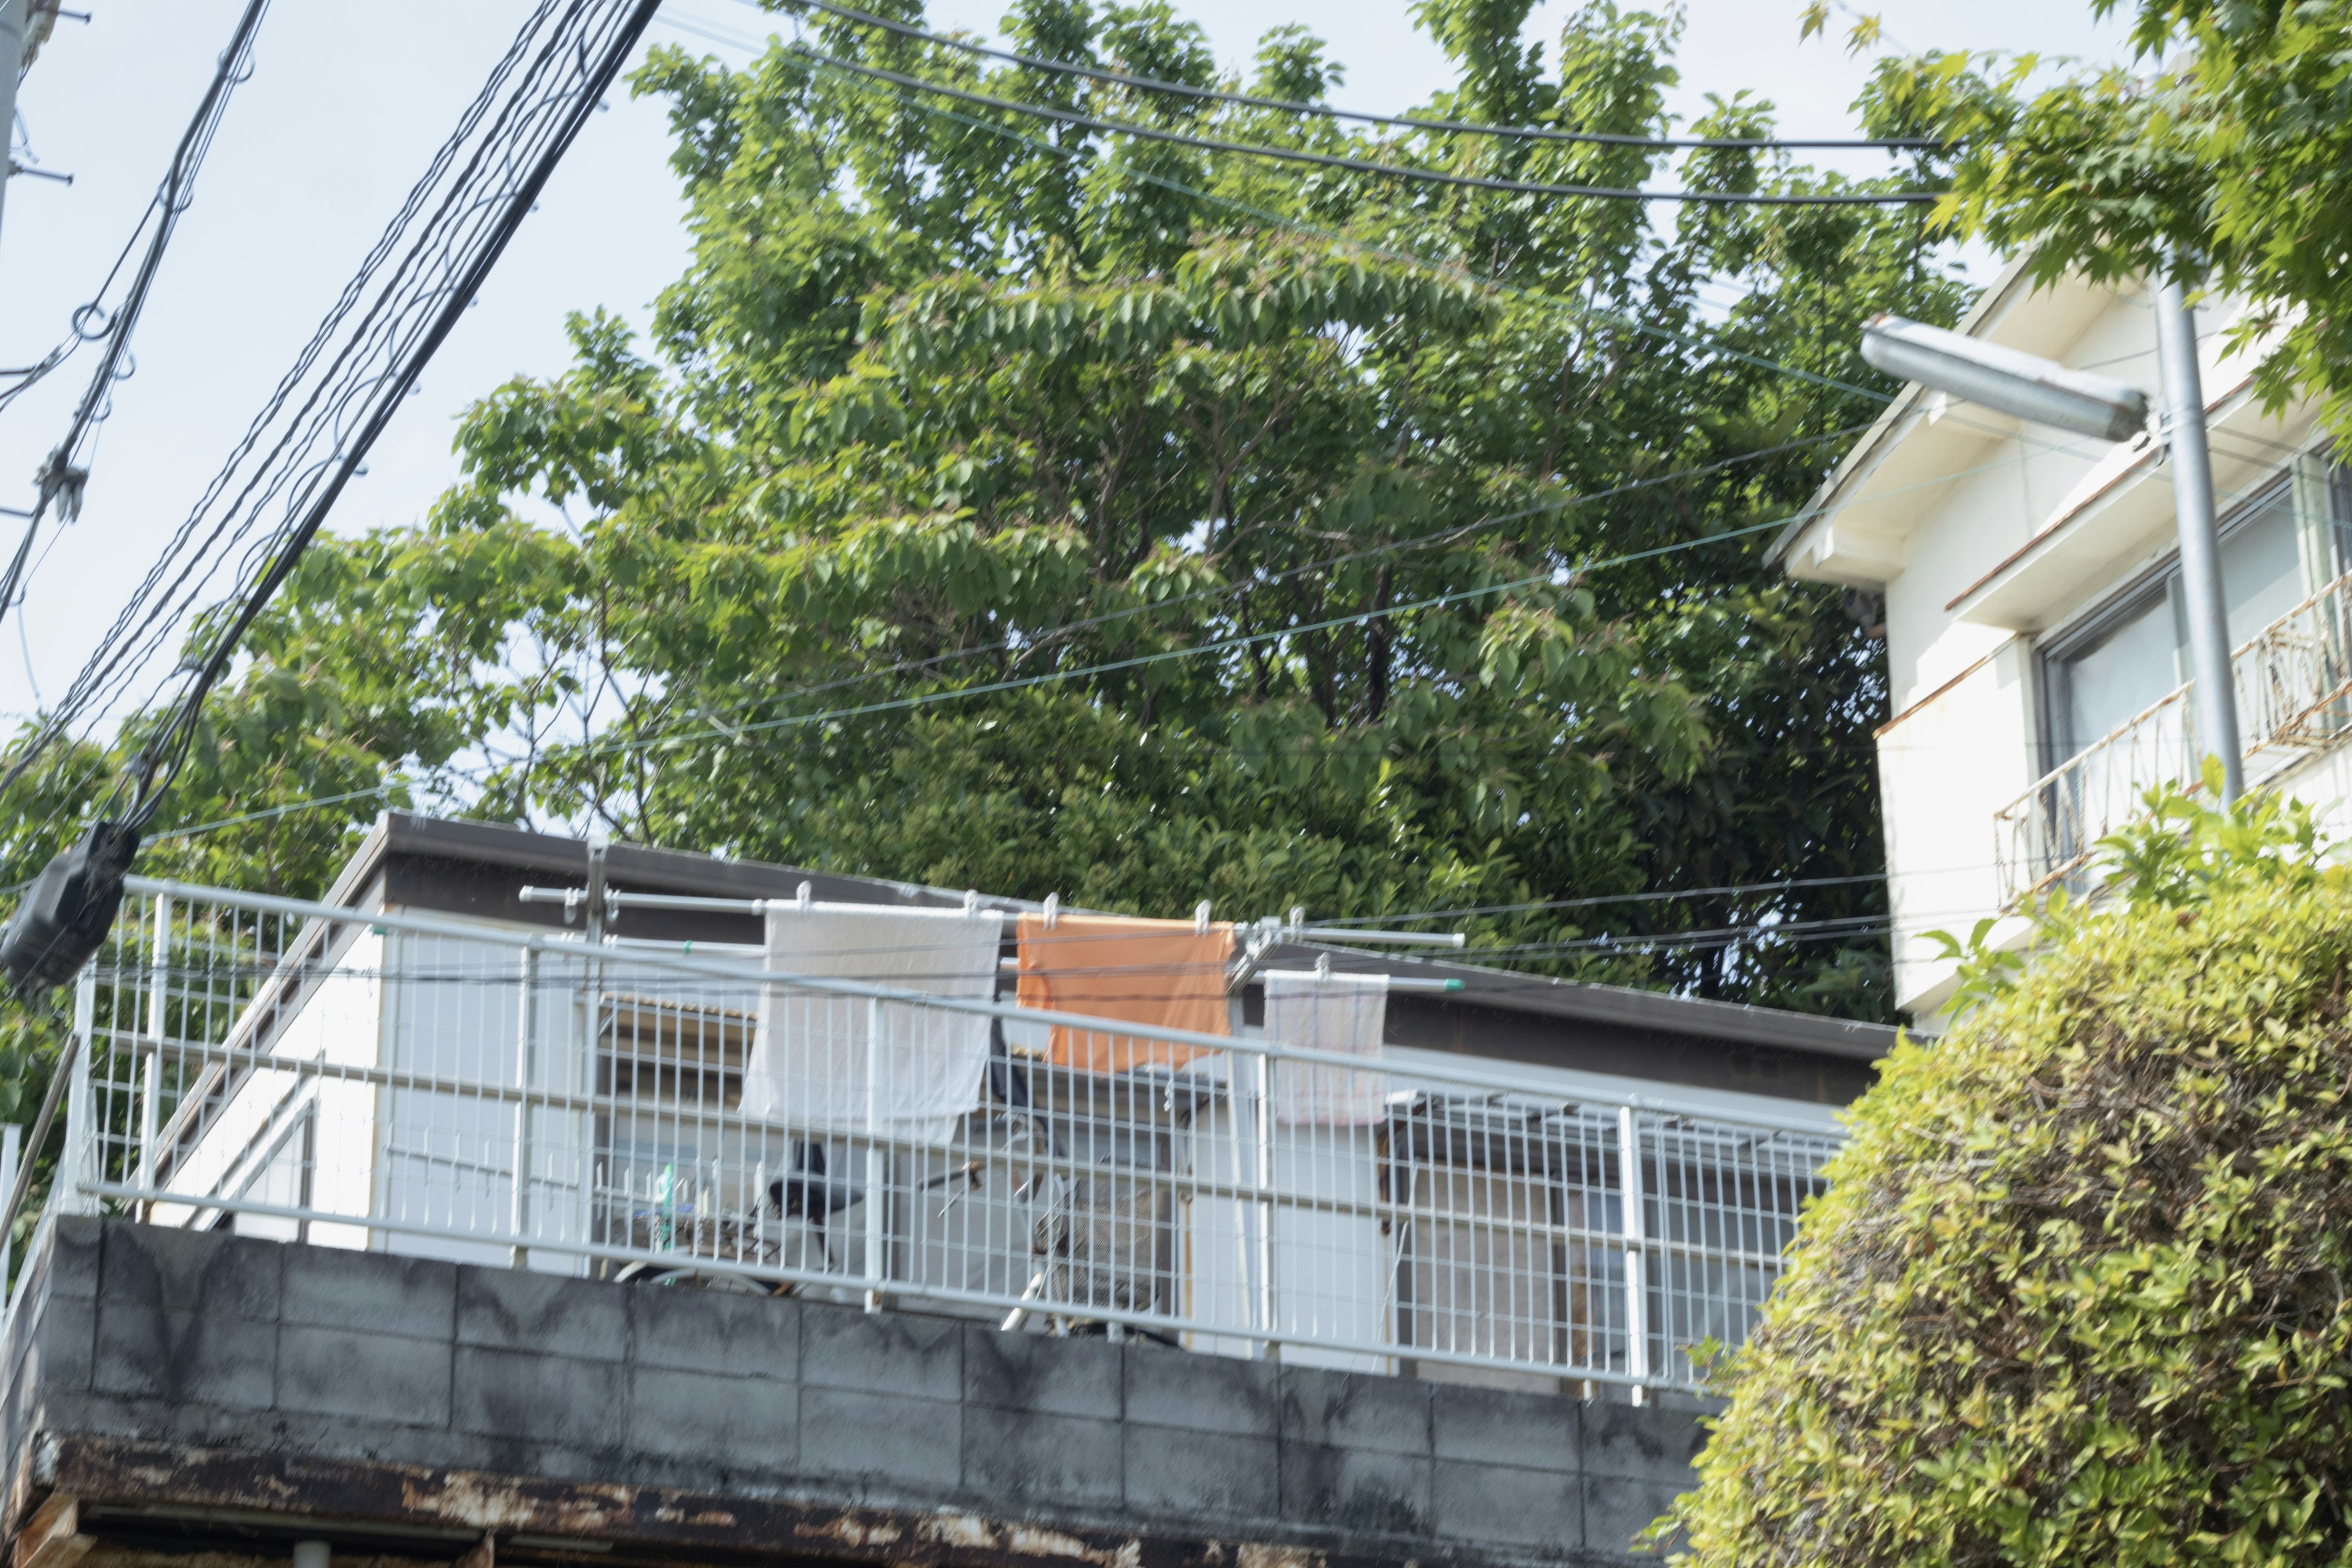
1966, 739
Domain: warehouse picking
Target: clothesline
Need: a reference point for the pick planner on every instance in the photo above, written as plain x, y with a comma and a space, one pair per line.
903, 1068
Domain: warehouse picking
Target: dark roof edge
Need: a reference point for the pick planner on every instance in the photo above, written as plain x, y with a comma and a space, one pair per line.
673, 870
637, 866
1659, 1010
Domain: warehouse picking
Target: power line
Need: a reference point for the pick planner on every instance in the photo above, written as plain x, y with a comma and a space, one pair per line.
456, 221
1394, 253
726, 731
1139, 661
1608, 899
1430, 542
552, 123
60, 481
1360, 165
1324, 111
312, 803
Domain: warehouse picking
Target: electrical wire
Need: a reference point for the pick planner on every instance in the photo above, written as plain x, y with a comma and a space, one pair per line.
1440, 540
1105, 126
1606, 898
60, 481
1324, 111
456, 223
565, 111
1353, 617
134, 635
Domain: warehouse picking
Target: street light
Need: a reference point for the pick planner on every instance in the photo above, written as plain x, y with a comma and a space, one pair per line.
2023, 384
2047, 393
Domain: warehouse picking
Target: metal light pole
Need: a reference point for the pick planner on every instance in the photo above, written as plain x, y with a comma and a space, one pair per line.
2200, 536
2030, 387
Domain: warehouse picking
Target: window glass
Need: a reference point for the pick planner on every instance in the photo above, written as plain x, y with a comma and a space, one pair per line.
2133, 664
2276, 551
2262, 566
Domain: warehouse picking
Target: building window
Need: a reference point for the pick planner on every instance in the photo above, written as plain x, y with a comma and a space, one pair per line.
2291, 540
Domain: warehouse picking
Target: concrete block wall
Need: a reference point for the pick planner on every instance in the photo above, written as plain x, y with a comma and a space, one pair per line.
141, 1341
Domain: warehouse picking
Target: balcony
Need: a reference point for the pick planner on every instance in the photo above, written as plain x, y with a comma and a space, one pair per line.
2295, 698
389, 1081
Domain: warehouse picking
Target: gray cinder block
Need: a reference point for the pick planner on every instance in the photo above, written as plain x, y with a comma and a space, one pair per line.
1494, 1425
1030, 1372
1388, 1415
1641, 1442
562, 1400
744, 1425
366, 1374
1501, 1504
71, 1265
1032, 1458
889, 1444
1205, 1393
370, 1291
717, 1332
185, 1357
1617, 1509
192, 1271
888, 1353
513, 1308
1356, 1489
1175, 1473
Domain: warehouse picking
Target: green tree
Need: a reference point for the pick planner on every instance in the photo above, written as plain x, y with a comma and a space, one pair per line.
2224, 152
896, 549
2075, 1292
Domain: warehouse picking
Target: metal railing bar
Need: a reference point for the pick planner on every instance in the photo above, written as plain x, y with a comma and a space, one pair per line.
1187, 1185
688, 964
917, 1290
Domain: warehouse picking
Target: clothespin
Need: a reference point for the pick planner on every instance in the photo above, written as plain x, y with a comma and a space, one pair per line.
1297, 916
1322, 968
806, 896
1200, 918
971, 900
1053, 910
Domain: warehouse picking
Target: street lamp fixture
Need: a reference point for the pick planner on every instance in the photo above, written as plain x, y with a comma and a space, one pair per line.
2047, 393
2025, 386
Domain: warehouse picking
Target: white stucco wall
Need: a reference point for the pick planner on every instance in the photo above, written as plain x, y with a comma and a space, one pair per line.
1948, 501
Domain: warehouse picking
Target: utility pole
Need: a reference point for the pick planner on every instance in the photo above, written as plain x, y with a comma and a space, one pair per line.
12, 60
2201, 539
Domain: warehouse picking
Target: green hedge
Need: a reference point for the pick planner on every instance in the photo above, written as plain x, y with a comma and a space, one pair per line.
2078, 1292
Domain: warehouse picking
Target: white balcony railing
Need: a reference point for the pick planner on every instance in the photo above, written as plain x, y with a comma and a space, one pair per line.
2295, 697
424, 1085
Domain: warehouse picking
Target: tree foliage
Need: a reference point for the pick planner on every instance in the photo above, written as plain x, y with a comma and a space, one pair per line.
2077, 1292
2224, 152
1004, 504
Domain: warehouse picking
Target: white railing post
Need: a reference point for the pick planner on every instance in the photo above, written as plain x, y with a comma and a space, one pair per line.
526, 1015
877, 1162
74, 1160
151, 1092
1268, 1306
1637, 1272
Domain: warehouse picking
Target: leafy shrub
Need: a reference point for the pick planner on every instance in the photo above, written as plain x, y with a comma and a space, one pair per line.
2078, 1291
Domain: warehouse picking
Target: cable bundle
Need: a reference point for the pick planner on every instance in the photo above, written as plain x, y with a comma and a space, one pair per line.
65, 471
275, 490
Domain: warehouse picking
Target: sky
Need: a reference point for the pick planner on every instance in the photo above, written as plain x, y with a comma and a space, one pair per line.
345, 104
